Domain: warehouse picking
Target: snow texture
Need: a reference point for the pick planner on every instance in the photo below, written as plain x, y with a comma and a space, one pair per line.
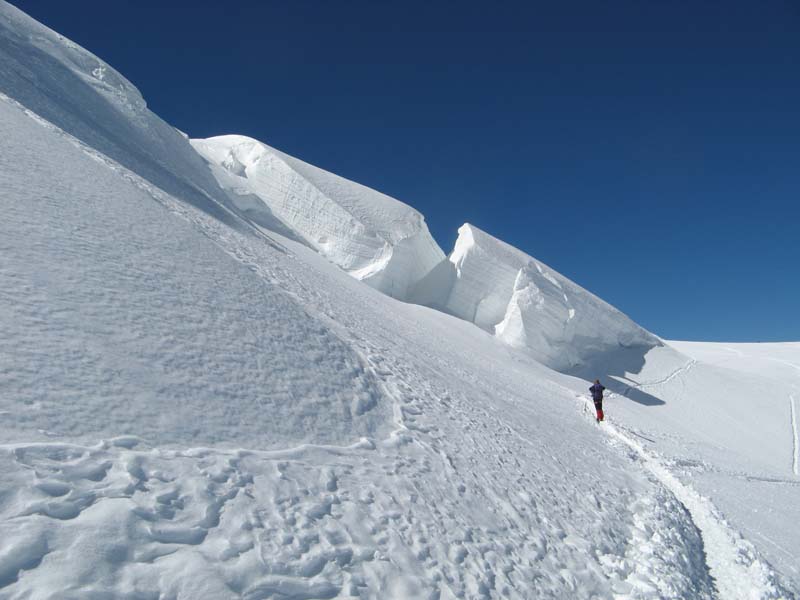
526, 304
197, 404
85, 97
375, 238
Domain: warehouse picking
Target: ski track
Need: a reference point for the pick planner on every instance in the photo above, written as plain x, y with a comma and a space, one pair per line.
679, 371
784, 362
738, 573
795, 439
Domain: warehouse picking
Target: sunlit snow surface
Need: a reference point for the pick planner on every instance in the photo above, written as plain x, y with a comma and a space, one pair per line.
528, 305
194, 405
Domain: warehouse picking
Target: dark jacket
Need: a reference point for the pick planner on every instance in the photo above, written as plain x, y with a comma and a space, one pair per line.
597, 391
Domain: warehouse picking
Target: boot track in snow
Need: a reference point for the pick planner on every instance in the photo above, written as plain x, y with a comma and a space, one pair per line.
732, 562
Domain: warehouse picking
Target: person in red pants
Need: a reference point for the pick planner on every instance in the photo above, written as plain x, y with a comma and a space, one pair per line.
597, 395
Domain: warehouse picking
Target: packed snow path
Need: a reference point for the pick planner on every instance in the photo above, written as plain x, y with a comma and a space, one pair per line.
796, 439
720, 418
738, 573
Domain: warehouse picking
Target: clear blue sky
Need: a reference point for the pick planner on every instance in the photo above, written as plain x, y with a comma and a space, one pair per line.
648, 150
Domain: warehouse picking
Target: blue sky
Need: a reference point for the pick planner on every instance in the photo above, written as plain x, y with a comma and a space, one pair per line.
650, 151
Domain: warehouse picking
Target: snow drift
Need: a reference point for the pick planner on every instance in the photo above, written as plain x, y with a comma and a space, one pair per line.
372, 236
526, 304
193, 406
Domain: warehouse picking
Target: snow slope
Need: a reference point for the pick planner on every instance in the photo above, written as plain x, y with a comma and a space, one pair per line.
194, 407
375, 238
164, 375
528, 305
90, 310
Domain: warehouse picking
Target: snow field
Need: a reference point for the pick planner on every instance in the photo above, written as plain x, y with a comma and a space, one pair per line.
526, 304
445, 498
197, 404
261, 525
174, 339
405, 516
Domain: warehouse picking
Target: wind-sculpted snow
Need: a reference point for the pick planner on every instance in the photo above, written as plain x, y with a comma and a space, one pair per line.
194, 407
375, 238
526, 304
87, 98
372, 236
172, 341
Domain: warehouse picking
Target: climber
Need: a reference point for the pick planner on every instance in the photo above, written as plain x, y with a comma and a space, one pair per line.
597, 396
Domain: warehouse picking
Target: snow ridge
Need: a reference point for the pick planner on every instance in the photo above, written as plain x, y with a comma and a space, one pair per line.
386, 244
82, 95
390, 450
526, 304
372, 236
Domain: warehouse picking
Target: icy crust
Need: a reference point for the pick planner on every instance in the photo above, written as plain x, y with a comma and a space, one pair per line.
375, 238
84, 96
525, 303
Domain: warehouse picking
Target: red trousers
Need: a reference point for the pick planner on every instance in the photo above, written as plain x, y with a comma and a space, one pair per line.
598, 404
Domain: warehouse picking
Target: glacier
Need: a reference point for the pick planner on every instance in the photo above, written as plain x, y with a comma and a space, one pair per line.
226, 373
526, 304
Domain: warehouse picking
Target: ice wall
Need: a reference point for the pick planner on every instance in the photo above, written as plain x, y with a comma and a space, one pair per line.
375, 238
372, 236
526, 304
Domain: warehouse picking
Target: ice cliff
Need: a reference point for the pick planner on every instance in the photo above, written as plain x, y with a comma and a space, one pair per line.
84, 96
372, 236
526, 304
